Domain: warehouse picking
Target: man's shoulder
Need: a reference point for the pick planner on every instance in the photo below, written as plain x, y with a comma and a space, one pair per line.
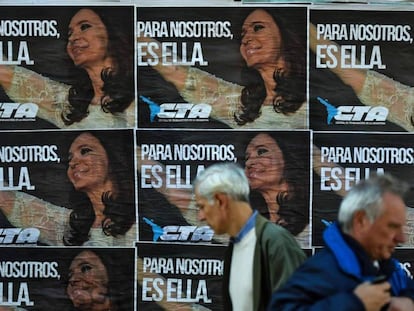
321, 262
272, 234
266, 226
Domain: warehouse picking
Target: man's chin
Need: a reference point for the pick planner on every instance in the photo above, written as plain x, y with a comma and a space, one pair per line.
386, 255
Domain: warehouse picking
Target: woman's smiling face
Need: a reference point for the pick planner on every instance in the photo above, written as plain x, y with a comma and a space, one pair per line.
88, 282
87, 39
261, 39
264, 162
88, 163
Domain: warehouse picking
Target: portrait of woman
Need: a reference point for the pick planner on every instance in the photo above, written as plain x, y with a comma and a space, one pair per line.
277, 165
101, 208
271, 93
278, 172
70, 279
98, 280
102, 93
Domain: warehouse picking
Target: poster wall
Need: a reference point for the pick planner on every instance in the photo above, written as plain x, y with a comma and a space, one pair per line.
109, 112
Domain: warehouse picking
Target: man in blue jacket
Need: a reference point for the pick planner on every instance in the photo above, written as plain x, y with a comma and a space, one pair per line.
355, 270
261, 255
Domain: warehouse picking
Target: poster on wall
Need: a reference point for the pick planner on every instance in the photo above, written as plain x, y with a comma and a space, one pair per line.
67, 67
405, 257
222, 67
67, 279
361, 70
341, 160
277, 165
68, 187
183, 277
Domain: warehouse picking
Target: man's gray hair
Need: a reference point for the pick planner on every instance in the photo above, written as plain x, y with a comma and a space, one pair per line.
226, 178
367, 196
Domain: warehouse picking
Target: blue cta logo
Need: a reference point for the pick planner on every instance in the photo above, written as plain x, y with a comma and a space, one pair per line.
354, 114
170, 112
180, 233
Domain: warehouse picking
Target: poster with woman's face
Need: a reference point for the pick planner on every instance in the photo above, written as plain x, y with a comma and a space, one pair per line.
47, 175
361, 69
341, 160
222, 67
61, 66
67, 278
276, 163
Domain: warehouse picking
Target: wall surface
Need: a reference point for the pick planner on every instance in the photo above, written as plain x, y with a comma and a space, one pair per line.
110, 109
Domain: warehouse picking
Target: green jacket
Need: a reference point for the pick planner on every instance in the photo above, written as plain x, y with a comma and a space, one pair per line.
276, 256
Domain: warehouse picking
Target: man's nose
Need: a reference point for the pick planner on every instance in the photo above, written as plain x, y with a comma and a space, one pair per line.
200, 215
401, 236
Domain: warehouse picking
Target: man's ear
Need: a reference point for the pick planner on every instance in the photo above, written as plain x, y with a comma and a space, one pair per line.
360, 220
222, 199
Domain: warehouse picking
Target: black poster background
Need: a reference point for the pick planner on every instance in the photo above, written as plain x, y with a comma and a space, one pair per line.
202, 271
405, 257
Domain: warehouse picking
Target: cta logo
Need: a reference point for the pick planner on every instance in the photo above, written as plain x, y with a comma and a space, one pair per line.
180, 233
18, 112
19, 236
354, 114
177, 112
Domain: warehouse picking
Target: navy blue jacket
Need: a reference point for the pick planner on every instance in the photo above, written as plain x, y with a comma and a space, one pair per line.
326, 280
